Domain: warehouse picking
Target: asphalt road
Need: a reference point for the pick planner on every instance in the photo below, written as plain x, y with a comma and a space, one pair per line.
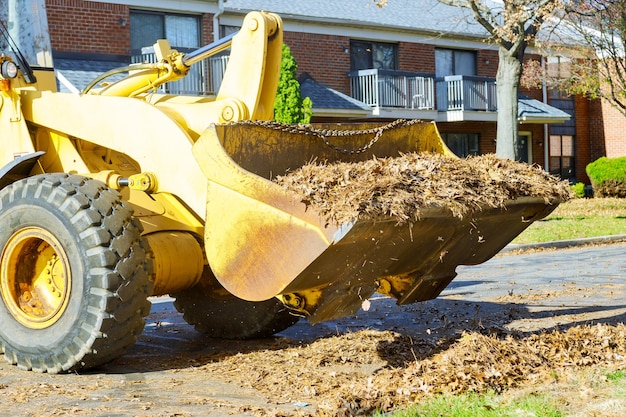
527, 292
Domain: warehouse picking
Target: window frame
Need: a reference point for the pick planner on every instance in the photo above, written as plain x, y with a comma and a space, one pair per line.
163, 15
455, 71
354, 43
470, 148
556, 154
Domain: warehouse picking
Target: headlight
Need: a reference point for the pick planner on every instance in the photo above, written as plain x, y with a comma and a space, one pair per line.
8, 69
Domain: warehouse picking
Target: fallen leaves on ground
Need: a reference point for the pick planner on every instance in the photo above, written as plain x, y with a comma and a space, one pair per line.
357, 373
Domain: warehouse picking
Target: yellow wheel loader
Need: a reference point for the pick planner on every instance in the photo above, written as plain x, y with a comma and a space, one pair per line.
122, 192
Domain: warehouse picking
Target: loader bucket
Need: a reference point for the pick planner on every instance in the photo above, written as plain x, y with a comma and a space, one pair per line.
263, 241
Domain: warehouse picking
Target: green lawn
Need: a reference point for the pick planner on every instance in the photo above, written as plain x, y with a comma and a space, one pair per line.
579, 218
595, 392
483, 405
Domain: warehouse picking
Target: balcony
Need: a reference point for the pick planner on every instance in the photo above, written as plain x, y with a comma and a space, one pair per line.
390, 94
462, 97
204, 78
405, 94
385, 88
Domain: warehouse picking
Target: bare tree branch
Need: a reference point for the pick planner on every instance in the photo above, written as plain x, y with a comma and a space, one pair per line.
599, 71
512, 25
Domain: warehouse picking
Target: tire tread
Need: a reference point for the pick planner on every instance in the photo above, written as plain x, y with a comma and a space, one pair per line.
117, 271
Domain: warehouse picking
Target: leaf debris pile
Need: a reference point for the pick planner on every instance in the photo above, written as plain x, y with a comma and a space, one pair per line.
403, 186
358, 373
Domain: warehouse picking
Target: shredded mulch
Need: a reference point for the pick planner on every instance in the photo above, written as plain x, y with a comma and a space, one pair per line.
402, 187
358, 373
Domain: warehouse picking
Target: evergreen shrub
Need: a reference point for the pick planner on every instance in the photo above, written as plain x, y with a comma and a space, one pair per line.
608, 177
290, 106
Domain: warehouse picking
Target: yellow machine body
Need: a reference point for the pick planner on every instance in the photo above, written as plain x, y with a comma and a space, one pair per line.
201, 186
125, 131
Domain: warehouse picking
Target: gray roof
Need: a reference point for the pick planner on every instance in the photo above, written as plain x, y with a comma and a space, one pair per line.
418, 15
534, 111
80, 72
326, 98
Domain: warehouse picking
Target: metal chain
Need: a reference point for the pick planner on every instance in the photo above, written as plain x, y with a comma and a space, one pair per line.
324, 134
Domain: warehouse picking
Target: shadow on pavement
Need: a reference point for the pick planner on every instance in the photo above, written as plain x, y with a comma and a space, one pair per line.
168, 343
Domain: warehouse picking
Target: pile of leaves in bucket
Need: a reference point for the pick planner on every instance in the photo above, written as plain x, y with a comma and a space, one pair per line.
404, 186
358, 373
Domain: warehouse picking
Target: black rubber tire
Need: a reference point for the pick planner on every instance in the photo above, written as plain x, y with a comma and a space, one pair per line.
215, 312
109, 270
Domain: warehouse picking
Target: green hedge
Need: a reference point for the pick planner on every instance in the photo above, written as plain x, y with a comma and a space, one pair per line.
578, 189
608, 177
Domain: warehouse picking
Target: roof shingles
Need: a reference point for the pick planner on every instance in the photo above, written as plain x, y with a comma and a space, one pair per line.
80, 72
327, 98
421, 16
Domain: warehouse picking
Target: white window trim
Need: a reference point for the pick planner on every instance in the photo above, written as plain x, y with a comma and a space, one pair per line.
179, 6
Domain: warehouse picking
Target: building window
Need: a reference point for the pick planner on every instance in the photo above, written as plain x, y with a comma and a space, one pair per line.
226, 30
562, 156
146, 27
462, 144
454, 62
557, 94
560, 69
373, 55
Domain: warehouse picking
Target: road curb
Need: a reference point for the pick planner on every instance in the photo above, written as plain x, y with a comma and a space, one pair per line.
561, 244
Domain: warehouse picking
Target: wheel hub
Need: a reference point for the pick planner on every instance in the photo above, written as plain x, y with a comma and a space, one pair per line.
35, 277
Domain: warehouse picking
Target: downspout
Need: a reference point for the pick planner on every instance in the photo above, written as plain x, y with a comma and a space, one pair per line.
546, 138
216, 20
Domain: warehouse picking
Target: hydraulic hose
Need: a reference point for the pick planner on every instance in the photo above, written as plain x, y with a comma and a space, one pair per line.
116, 71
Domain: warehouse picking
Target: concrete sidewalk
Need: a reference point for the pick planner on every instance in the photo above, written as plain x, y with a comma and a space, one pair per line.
562, 244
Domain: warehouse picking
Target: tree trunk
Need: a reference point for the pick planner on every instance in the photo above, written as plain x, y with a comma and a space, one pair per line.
507, 84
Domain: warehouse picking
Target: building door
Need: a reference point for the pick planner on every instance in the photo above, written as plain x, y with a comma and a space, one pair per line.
524, 150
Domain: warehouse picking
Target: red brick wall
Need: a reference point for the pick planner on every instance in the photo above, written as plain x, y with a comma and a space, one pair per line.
88, 27
607, 128
614, 131
322, 56
207, 29
596, 129
487, 63
415, 57
600, 131
98, 28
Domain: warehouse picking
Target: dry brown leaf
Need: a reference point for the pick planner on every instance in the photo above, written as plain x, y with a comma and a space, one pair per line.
403, 186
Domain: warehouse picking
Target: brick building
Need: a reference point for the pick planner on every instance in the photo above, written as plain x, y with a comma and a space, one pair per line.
422, 59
